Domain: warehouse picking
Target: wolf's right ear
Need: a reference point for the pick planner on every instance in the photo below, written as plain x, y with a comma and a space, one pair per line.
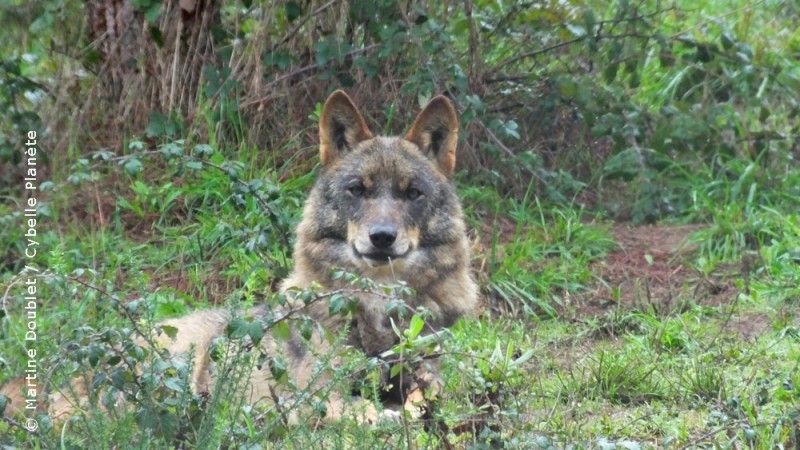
341, 127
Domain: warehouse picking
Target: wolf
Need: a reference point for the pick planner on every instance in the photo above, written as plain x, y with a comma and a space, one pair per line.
383, 208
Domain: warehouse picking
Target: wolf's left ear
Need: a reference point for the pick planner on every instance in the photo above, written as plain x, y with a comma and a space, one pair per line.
435, 131
341, 127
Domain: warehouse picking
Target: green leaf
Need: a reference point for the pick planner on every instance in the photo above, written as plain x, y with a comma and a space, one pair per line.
171, 149
395, 370
307, 329
293, 11
255, 331
237, 328
217, 351
194, 165
624, 165
202, 150
277, 367
589, 20
336, 304
523, 358
152, 13
156, 124
174, 384
415, 327
42, 23
511, 128
132, 166
576, 30
45, 423
764, 113
170, 331
727, 40
610, 72
281, 331
341, 304
156, 35
279, 59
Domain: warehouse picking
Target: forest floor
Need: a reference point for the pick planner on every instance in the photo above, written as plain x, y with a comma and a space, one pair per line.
654, 352
651, 267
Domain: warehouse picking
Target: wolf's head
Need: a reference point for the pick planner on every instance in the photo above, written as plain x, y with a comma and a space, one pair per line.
384, 206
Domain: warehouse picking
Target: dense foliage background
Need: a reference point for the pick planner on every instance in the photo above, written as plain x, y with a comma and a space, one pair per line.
179, 139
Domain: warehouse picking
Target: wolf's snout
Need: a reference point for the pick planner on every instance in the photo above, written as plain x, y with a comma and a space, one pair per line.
382, 236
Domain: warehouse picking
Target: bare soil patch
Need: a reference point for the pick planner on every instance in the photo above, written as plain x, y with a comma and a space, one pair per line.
651, 268
751, 326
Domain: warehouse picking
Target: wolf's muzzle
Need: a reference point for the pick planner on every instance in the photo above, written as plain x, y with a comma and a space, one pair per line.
382, 236
379, 242
381, 256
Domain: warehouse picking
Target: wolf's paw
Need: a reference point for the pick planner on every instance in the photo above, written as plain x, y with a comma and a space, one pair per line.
415, 403
369, 415
389, 416
428, 388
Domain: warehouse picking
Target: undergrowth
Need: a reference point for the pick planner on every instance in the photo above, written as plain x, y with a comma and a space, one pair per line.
574, 116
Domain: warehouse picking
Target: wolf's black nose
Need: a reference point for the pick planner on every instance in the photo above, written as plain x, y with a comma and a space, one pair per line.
382, 236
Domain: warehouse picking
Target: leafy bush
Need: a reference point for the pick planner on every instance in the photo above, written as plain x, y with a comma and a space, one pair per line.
595, 95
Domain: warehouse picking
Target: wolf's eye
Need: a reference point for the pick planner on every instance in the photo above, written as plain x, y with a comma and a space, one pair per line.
356, 190
413, 193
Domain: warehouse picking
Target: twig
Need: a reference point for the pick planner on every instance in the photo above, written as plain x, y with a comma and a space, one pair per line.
542, 50
299, 25
118, 304
175, 61
503, 147
474, 54
276, 401
16, 424
300, 71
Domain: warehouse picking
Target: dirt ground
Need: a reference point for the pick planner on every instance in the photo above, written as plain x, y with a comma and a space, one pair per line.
651, 268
